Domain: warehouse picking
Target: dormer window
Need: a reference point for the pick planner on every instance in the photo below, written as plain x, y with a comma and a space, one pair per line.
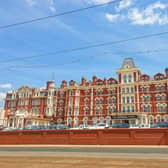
157, 78
161, 78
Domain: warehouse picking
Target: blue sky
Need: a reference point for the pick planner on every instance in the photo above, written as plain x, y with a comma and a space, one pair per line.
118, 21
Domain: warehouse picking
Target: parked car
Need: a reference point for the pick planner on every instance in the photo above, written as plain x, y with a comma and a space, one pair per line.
160, 125
62, 126
120, 125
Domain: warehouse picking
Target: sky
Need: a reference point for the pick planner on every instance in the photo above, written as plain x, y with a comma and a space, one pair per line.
113, 22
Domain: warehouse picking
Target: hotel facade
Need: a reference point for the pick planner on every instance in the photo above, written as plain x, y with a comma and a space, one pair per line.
133, 98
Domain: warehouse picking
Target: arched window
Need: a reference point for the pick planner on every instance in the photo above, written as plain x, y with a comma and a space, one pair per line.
166, 118
114, 109
158, 98
149, 108
158, 119
97, 101
163, 87
151, 120
113, 100
101, 101
143, 99
157, 88
109, 101
108, 121
159, 108
144, 108
164, 108
109, 110
148, 99
163, 98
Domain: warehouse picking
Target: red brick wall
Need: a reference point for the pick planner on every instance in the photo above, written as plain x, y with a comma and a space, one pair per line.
88, 137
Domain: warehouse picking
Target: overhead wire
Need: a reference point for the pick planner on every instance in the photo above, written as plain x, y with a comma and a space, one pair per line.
87, 47
59, 14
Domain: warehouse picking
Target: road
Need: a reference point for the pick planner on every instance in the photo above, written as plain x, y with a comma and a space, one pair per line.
48, 156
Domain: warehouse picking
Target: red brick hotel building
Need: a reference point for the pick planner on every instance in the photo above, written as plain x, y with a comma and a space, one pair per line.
133, 98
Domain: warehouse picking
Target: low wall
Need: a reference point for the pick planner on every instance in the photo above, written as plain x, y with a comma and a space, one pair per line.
87, 137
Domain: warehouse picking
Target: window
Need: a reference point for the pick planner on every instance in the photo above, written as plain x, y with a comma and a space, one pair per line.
159, 109
70, 102
97, 101
109, 101
158, 119
76, 111
125, 78
101, 93
114, 109
97, 93
76, 123
109, 110
142, 79
143, 89
94, 121
147, 89
77, 93
86, 93
86, 102
60, 102
109, 92
157, 78
109, 83
133, 109
101, 120
123, 90
158, 98
113, 91
161, 78
147, 79
144, 108
108, 121
157, 88
71, 93
148, 99
97, 111
123, 109
149, 108
151, 121
101, 101
162, 88
123, 99
101, 111
128, 108
132, 90
86, 111
113, 100
163, 98
166, 118
70, 111
128, 99
127, 90
130, 78
164, 108
132, 99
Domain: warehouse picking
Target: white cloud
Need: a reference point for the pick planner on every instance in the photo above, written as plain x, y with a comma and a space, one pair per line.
124, 4
31, 2
152, 14
6, 86
46, 3
97, 1
111, 17
52, 6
